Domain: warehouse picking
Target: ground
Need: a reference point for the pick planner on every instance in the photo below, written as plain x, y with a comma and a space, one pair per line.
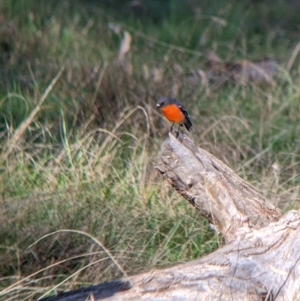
81, 201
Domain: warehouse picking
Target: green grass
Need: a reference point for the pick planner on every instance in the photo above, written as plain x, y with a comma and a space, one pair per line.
78, 180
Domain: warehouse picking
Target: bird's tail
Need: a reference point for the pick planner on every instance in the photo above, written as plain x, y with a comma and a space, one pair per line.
187, 120
188, 123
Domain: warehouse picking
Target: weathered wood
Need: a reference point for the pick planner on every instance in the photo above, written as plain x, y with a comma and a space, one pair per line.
260, 260
230, 204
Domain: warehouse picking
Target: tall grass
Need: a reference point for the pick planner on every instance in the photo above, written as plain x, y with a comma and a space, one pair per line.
104, 185
81, 201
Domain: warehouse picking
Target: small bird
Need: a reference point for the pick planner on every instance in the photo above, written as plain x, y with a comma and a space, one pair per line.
175, 112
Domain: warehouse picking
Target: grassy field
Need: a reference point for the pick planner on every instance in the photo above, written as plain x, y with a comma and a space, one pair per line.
81, 202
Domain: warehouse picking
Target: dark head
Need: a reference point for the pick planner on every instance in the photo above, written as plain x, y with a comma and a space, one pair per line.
162, 102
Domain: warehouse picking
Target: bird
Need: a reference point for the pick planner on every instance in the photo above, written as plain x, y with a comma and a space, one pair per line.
175, 112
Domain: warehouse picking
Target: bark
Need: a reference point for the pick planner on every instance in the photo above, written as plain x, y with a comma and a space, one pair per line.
260, 260
229, 203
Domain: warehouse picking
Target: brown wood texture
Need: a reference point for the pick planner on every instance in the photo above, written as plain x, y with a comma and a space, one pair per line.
260, 260
229, 203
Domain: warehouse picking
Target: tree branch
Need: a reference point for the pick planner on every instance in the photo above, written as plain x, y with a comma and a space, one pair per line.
228, 202
259, 262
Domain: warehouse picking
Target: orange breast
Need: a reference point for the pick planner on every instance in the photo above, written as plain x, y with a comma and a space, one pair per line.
173, 114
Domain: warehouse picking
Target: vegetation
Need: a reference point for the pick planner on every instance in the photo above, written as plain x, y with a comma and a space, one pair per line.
81, 201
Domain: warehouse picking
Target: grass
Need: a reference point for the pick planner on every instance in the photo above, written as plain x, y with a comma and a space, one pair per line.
81, 201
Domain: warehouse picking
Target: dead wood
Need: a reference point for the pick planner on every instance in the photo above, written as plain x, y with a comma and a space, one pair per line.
260, 260
217, 73
230, 204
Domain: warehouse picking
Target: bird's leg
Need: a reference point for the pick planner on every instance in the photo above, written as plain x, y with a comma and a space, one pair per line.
171, 127
177, 134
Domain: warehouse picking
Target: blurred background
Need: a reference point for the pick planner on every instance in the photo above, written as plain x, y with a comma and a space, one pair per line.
80, 199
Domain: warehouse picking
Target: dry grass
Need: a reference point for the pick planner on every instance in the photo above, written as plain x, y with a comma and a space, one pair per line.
81, 202
88, 186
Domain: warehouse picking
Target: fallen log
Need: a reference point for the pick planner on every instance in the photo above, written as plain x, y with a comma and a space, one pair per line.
260, 260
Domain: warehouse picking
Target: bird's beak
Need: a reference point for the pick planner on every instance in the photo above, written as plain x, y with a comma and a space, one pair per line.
157, 106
